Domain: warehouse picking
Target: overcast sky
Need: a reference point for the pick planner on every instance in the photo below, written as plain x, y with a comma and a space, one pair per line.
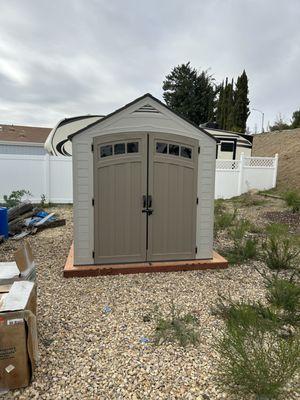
61, 58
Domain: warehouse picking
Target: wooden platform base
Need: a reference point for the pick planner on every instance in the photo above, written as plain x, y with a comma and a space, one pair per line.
134, 268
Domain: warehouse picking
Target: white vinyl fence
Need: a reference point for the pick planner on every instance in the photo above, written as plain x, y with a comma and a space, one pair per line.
40, 175
234, 177
52, 176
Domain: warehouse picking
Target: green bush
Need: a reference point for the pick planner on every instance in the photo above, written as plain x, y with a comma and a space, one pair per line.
292, 199
224, 220
260, 346
243, 248
239, 230
219, 206
15, 197
277, 230
257, 361
280, 251
255, 356
255, 229
245, 315
285, 294
176, 328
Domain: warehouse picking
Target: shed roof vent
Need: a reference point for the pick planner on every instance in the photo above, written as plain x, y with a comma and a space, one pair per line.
147, 108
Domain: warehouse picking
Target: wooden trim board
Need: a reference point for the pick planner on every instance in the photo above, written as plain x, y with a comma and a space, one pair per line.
71, 270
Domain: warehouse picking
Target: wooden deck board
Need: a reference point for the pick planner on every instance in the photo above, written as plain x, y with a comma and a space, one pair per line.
70, 270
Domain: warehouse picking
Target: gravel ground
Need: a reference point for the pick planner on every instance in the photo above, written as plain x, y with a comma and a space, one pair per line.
86, 353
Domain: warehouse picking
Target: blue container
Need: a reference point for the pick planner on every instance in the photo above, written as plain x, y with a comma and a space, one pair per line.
3, 222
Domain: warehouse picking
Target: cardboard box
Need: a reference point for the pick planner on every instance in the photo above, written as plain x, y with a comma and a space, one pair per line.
18, 334
23, 268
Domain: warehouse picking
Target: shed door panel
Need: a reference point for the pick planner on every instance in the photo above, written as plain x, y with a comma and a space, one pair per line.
120, 183
173, 185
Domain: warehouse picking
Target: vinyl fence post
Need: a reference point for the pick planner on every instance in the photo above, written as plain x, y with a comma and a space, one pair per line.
241, 175
275, 170
46, 178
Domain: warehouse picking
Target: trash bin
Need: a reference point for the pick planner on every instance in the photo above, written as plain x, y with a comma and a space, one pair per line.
3, 222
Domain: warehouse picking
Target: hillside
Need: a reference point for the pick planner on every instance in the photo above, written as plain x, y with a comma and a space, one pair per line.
287, 145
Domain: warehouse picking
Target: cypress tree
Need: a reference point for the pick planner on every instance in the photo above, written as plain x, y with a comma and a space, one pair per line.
225, 105
241, 104
220, 106
230, 107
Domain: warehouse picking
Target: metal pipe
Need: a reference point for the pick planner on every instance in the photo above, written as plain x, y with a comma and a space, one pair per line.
262, 118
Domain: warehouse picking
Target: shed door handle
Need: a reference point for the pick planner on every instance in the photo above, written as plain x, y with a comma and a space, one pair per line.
148, 211
144, 201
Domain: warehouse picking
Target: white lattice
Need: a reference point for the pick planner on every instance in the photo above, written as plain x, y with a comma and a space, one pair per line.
265, 162
227, 164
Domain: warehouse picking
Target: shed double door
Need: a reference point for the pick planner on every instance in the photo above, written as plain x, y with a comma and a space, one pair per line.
145, 192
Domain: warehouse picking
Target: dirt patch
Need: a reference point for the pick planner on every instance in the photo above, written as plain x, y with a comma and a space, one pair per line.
285, 217
287, 145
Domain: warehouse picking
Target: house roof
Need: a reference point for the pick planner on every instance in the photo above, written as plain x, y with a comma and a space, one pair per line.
134, 102
23, 134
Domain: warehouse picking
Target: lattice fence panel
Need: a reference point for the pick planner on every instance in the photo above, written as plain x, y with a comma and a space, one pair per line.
227, 164
262, 162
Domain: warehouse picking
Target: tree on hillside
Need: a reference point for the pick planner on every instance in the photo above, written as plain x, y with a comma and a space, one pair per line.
241, 104
296, 119
279, 124
190, 93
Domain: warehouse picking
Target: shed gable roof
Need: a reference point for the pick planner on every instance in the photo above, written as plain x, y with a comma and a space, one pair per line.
144, 108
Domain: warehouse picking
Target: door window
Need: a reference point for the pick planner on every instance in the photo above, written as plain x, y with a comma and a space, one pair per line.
161, 148
119, 148
186, 152
133, 147
106, 150
173, 149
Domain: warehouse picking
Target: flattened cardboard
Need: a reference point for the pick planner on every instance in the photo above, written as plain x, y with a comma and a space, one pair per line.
24, 258
21, 295
23, 268
18, 334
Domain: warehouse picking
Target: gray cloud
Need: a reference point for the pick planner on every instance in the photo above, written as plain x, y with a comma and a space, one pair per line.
69, 57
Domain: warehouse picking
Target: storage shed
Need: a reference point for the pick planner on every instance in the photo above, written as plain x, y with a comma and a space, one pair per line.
143, 187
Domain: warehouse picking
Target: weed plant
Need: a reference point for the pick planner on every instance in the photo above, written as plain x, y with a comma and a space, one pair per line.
280, 251
292, 200
244, 248
176, 327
